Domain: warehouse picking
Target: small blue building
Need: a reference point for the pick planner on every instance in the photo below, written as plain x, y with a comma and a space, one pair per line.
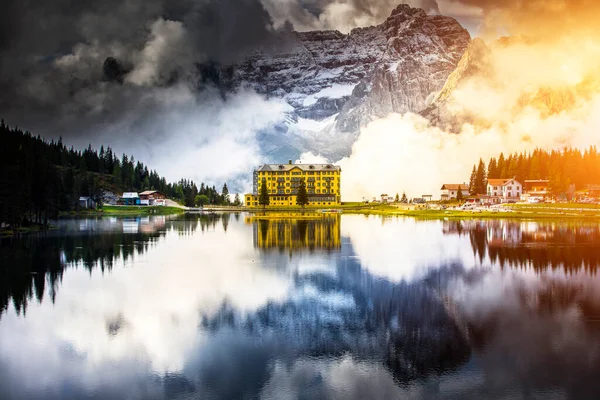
130, 199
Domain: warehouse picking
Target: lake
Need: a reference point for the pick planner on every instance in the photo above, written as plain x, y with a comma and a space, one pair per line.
235, 306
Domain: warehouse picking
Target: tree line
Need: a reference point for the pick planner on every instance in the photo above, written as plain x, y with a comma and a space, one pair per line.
39, 179
561, 168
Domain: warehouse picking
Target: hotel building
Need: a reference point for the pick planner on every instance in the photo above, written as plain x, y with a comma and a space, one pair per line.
282, 182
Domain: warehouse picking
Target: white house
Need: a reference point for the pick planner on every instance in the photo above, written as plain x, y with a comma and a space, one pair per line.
507, 189
450, 190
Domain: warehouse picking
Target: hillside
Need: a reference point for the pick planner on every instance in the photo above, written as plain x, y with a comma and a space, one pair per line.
40, 179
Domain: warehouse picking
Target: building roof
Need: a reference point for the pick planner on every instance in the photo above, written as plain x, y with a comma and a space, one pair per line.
454, 186
500, 182
130, 195
303, 167
84, 198
149, 192
529, 184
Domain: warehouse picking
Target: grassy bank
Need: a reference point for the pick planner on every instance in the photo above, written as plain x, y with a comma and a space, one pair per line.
141, 210
124, 210
514, 212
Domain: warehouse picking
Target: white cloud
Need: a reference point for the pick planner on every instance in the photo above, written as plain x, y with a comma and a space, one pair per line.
160, 300
400, 249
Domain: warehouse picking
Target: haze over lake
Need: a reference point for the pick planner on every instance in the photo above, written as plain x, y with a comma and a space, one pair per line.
230, 306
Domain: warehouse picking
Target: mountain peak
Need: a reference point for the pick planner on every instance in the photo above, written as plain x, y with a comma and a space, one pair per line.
337, 83
405, 9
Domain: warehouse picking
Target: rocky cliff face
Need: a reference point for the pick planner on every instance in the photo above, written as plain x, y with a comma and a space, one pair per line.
421, 52
337, 83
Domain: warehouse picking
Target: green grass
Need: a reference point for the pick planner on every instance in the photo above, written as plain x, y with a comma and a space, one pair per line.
555, 206
538, 213
140, 210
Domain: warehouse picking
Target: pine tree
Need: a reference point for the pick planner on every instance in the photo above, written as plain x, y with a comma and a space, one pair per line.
263, 197
493, 169
225, 194
404, 199
236, 201
397, 199
480, 179
500, 166
473, 182
302, 196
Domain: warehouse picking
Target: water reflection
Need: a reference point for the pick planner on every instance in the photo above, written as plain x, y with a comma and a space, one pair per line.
289, 231
538, 245
202, 307
30, 263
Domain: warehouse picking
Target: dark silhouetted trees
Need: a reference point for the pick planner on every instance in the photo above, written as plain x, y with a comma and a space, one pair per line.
39, 178
302, 195
263, 196
562, 168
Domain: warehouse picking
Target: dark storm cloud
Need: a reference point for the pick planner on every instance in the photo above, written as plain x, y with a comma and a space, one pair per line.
81, 61
339, 14
69, 60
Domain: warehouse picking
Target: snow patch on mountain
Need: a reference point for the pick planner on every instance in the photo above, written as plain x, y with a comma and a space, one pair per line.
336, 91
337, 83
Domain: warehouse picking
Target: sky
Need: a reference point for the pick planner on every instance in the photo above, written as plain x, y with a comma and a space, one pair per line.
125, 73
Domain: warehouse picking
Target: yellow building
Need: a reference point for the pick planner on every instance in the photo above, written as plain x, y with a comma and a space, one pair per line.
282, 182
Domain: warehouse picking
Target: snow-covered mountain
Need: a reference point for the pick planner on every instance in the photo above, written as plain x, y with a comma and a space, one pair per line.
336, 83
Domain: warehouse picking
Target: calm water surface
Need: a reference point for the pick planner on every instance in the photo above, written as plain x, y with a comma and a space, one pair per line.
351, 307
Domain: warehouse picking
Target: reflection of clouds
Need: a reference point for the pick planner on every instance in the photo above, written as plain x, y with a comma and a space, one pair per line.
158, 302
403, 248
533, 329
349, 378
343, 378
208, 315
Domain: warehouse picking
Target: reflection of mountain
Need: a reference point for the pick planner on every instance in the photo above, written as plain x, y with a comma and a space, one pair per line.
308, 232
532, 244
405, 326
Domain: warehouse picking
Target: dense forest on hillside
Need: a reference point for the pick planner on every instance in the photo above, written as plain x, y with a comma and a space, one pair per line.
38, 179
562, 168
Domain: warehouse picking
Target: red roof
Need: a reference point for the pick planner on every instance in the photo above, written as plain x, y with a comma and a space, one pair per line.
499, 182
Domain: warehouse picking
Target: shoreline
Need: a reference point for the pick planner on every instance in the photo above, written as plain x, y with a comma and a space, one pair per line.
520, 212
523, 212
125, 210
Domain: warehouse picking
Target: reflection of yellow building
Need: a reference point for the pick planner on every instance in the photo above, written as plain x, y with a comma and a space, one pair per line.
321, 231
282, 182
